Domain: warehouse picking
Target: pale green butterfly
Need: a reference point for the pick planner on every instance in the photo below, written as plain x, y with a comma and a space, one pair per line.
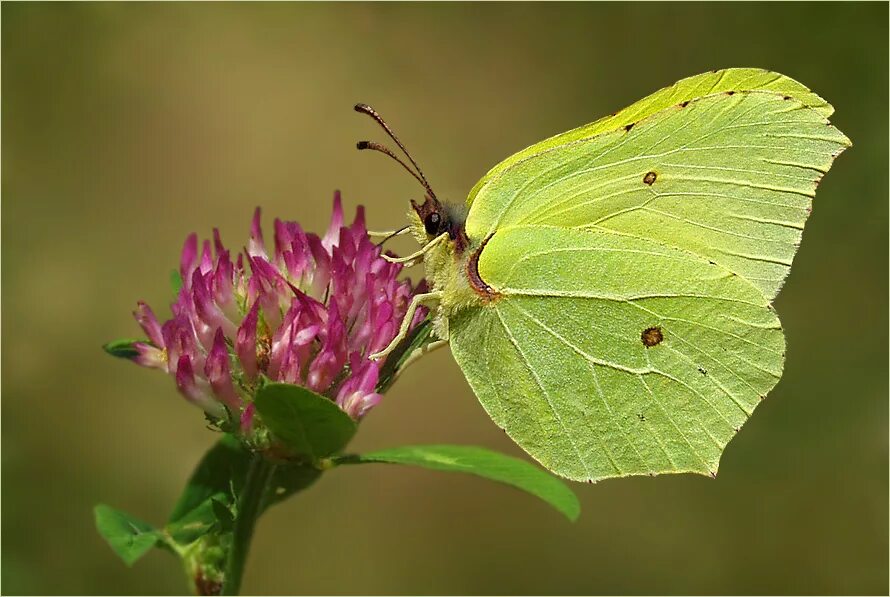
607, 292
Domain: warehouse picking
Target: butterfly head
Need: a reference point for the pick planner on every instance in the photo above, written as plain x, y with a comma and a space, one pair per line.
434, 217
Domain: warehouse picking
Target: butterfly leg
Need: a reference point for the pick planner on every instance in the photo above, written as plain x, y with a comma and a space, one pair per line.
418, 300
388, 233
419, 352
419, 253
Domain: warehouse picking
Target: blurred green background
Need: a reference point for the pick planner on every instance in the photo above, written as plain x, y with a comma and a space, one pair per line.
127, 126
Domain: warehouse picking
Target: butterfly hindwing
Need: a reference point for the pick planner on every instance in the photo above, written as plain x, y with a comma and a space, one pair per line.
603, 355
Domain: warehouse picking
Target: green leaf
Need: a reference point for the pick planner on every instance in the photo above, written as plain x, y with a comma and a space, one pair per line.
289, 479
483, 463
194, 524
175, 280
122, 348
218, 479
220, 474
224, 515
419, 337
310, 425
129, 537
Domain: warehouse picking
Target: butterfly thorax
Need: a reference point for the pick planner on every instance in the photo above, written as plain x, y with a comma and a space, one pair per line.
450, 264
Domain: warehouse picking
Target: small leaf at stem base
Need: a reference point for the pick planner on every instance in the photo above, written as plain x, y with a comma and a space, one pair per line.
129, 537
219, 477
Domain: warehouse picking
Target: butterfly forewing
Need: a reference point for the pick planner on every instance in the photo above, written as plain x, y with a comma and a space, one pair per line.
727, 177
714, 82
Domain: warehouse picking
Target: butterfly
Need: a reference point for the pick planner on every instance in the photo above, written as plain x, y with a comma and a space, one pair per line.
608, 291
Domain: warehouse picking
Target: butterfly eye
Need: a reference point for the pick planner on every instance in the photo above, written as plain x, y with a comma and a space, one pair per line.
432, 222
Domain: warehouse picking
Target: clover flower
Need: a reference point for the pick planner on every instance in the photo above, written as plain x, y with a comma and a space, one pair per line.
307, 311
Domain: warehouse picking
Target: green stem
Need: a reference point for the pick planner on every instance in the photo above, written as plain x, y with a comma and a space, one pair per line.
250, 505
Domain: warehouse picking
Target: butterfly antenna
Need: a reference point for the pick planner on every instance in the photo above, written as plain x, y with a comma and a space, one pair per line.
383, 149
366, 109
393, 235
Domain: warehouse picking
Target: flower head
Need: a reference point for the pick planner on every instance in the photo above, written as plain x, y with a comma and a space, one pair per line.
307, 310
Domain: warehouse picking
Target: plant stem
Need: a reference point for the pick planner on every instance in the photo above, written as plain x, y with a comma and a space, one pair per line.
250, 504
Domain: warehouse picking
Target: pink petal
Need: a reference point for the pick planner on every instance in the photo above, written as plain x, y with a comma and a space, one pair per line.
206, 265
281, 340
357, 405
246, 341
206, 308
216, 368
358, 225
189, 254
149, 324
332, 236
217, 243
224, 286
247, 418
289, 365
255, 246
195, 390
149, 356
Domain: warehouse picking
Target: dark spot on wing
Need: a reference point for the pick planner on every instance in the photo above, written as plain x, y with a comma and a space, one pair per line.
730, 93
787, 97
641, 416
627, 127
684, 104
712, 474
649, 178
702, 370
652, 336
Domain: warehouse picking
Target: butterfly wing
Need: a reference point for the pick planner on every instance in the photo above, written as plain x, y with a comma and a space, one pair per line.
710, 83
605, 355
727, 177
631, 331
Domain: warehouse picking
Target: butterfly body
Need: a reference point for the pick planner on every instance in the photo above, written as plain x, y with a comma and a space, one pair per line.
448, 263
607, 292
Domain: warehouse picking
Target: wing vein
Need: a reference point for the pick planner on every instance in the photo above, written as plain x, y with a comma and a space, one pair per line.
546, 395
674, 424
